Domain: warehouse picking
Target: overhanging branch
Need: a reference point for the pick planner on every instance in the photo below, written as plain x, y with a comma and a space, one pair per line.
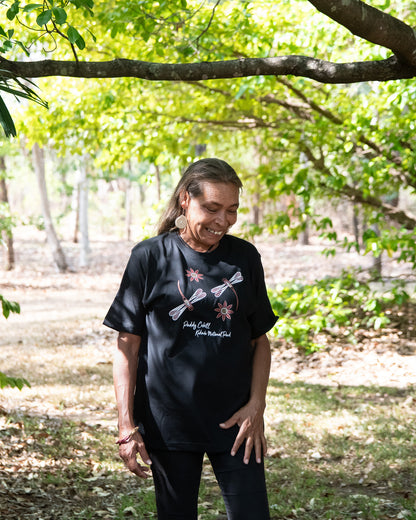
401, 217
319, 70
372, 25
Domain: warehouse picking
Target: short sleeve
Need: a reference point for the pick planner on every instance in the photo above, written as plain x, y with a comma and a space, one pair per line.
262, 318
127, 312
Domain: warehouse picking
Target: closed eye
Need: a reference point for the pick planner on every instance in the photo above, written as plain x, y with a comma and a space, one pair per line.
232, 211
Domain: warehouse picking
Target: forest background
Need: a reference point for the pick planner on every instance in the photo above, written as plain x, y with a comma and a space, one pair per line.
327, 163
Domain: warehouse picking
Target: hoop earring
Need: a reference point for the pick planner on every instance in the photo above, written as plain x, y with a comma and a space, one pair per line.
181, 222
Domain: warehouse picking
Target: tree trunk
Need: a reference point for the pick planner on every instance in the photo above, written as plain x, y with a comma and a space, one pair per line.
304, 237
76, 223
83, 215
158, 182
127, 207
142, 194
256, 208
356, 225
8, 235
377, 267
51, 236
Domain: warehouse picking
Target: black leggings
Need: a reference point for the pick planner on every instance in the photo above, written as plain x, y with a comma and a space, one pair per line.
177, 475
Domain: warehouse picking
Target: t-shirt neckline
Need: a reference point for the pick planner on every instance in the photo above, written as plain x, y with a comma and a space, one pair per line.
184, 246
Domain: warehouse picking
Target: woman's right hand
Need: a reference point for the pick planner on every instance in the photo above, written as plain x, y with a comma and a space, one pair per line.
128, 452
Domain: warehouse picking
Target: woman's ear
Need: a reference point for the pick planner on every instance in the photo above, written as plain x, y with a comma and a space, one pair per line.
184, 199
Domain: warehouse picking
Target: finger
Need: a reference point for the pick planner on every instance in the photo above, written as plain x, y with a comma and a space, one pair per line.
131, 463
258, 449
248, 450
229, 422
130, 450
143, 453
137, 469
238, 441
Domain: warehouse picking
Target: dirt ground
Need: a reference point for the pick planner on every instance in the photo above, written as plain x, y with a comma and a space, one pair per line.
61, 316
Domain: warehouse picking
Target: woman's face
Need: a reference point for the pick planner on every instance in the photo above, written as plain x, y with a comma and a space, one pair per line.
210, 215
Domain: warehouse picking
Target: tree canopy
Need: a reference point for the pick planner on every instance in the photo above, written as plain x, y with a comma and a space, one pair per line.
194, 40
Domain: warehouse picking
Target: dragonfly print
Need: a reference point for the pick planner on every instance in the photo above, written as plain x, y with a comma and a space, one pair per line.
228, 284
175, 313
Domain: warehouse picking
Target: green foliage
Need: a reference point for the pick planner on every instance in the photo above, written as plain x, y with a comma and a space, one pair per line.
20, 90
52, 17
46, 22
13, 382
8, 307
334, 306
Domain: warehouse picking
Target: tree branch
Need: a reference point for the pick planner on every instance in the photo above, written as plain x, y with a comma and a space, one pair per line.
319, 70
391, 155
196, 41
401, 217
372, 25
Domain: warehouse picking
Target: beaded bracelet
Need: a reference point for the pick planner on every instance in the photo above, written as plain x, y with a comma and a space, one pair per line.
128, 437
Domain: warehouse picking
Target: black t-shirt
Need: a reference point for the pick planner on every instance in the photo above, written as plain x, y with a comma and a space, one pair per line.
196, 314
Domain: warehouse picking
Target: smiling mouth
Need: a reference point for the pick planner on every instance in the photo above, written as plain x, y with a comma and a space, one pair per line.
214, 232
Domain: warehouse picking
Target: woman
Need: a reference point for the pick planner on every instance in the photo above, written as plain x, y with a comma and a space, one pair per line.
192, 361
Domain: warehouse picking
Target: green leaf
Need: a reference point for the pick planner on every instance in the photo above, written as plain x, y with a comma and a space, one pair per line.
8, 307
160, 51
80, 43
24, 91
59, 14
92, 36
15, 92
2, 33
241, 91
87, 4
7, 45
13, 382
31, 7
23, 47
114, 31
73, 34
44, 17
6, 120
10, 33
12, 12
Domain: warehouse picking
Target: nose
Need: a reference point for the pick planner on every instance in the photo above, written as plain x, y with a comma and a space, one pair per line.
221, 218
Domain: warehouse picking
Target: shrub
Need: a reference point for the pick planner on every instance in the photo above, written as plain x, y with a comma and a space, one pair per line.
333, 306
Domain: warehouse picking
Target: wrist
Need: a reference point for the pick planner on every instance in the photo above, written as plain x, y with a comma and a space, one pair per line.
124, 439
258, 402
125, 428
125, 424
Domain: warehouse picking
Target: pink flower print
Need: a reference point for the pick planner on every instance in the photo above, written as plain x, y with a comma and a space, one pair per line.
224, 311
194, 276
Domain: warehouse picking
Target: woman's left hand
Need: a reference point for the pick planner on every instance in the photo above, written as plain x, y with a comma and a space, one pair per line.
250, 420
